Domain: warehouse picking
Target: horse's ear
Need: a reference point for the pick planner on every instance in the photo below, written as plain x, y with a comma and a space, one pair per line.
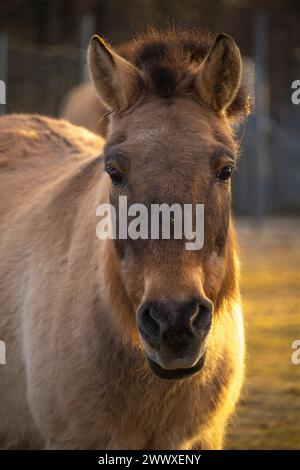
219, 76
116, 81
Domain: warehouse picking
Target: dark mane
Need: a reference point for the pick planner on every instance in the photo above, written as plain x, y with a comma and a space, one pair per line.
170, 60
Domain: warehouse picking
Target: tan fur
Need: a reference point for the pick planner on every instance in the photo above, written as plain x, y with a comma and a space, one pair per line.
116, 79
76, 374
82, 107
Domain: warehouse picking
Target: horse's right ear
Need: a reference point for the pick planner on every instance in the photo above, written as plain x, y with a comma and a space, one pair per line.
219, 77
117, 81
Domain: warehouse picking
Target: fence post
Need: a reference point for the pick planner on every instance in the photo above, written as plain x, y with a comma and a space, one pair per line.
261, 116
87, 29
3, 71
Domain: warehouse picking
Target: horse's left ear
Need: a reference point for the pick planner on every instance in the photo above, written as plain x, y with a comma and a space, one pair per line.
219, 76
116, 80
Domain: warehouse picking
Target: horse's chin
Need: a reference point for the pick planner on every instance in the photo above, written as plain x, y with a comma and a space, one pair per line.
175, 374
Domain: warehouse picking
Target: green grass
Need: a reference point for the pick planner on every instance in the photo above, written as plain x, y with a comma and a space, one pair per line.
268, 416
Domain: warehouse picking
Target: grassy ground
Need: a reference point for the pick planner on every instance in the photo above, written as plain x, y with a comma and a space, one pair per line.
268, 416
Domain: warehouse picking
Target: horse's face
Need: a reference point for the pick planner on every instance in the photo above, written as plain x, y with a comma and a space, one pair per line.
173, 151
170, 153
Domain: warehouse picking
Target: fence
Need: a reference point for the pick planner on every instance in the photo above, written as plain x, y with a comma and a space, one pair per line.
279, 173
38, 78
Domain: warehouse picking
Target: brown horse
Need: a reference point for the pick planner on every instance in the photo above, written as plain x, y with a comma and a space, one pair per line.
123, 344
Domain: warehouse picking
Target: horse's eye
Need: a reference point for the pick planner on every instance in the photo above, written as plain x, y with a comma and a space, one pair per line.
115, 175
224, 173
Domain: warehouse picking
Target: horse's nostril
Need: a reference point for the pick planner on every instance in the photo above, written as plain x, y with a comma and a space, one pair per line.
201, 320
149, 323
174, 323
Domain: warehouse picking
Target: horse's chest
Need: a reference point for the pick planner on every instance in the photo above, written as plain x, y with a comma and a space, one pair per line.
154, 420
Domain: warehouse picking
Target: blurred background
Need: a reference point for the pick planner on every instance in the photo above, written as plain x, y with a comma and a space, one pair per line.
43, 57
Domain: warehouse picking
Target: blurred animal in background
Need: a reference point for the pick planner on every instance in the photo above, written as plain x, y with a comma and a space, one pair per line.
82, 107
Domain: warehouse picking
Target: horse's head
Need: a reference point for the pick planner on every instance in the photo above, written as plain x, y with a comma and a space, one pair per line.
170, 141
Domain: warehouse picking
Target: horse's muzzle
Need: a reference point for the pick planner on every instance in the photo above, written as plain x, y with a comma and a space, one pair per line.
175, 374
174, 336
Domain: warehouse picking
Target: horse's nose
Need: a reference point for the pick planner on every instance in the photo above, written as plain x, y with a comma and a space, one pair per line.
174, 323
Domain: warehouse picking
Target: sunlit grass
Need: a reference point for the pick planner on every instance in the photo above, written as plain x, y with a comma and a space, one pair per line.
268, 416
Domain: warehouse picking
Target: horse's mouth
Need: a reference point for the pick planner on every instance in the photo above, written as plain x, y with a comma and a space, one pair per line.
175, 374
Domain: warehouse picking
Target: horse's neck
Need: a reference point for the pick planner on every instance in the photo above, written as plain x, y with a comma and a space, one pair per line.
229, 291
117, 301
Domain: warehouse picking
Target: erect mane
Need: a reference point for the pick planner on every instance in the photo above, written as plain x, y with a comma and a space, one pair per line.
171, 58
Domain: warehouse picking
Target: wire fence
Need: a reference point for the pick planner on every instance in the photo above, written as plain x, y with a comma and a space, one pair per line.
280, 171
38, 77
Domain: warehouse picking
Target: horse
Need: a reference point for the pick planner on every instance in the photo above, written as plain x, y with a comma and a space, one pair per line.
124, 343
